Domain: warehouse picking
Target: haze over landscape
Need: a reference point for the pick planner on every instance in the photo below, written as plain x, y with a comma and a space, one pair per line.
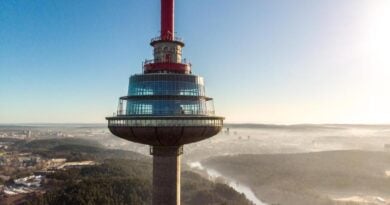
303, 85
299, 164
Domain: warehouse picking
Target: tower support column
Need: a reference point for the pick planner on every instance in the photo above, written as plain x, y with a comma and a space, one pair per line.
166, 175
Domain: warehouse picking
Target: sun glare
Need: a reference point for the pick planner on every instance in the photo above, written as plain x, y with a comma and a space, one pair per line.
379, 32
376, 108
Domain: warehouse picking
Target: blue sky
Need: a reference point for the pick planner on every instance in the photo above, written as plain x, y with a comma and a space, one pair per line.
264, 61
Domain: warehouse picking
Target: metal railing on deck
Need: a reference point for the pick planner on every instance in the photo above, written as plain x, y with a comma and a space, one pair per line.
152, 61
206, 121
159, 38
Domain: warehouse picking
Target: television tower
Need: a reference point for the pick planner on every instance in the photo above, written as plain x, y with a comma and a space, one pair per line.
166, 107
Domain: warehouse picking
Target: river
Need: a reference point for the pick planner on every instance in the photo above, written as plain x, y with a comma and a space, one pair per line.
236, 185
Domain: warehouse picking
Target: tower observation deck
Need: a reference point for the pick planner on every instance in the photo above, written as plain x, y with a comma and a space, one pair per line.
166, 107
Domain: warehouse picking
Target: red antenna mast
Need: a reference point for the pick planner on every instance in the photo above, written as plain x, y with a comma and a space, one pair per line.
168, 20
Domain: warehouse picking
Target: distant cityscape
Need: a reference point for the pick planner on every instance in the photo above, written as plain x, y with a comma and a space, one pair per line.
15, 162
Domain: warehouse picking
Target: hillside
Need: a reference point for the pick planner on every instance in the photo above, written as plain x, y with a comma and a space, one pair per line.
309, 178
121, 181
119, 177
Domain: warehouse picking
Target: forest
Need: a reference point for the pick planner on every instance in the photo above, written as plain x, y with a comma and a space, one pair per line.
120, 177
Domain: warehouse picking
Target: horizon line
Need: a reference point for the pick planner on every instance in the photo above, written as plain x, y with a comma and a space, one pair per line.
232, 123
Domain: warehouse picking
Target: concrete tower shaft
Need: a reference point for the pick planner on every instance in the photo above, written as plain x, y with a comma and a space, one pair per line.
166, 175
